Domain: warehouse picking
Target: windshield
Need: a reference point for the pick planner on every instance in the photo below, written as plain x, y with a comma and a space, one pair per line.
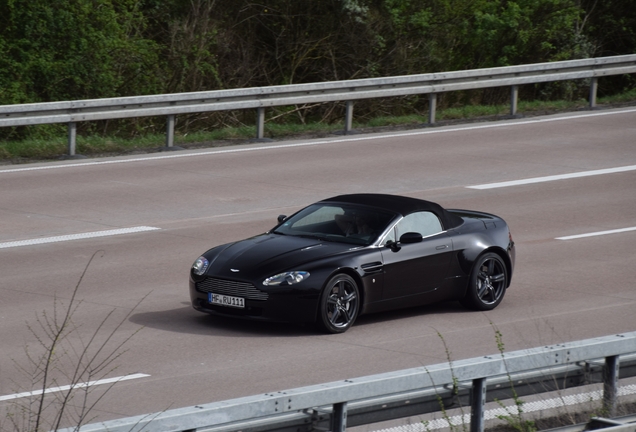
338, 222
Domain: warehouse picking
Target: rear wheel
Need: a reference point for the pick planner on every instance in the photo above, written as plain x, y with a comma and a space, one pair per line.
488, 282
339, 304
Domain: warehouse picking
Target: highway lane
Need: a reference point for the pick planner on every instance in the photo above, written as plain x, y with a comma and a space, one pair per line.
562, 290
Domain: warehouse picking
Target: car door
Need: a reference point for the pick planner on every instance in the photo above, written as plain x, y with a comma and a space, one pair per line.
416, 268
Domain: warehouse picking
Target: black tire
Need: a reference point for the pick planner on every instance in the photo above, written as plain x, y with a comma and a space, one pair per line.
339, 304
487, 284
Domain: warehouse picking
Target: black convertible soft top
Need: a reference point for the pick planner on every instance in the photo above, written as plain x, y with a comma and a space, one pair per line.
399, 204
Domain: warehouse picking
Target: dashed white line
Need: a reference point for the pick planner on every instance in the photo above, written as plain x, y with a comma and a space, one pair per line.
554, 177
76, 236
74, 386
598, 233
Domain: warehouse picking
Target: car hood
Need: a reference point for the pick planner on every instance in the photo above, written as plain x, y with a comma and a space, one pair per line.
268, 254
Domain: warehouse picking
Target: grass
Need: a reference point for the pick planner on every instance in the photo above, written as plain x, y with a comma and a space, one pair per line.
30, 150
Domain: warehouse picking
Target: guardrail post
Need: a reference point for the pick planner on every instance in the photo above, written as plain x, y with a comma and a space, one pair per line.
610, 385
514, 96
170, 122
432, 107
72, 141
349, 118
260, 126
170, 131
260, 123
477, 403
72, 137
339, 418
593, 90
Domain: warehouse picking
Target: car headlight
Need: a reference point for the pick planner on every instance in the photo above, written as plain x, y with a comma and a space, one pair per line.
287, 278
200, 266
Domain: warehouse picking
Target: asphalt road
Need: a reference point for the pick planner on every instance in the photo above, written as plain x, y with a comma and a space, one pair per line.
562, 290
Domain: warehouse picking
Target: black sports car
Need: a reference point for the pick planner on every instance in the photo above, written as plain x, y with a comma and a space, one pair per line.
354, 254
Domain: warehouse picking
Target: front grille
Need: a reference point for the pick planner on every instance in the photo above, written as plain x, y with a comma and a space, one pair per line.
231, 288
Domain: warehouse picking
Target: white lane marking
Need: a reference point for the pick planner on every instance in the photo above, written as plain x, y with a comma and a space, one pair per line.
554, 177
75, 386
321, 142
510, 410
77, 236
599, 233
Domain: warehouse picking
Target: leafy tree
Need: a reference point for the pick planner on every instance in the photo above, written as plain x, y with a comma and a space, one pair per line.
609, 26
73, 49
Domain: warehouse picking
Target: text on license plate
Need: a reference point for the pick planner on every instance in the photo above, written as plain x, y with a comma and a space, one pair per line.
225, 300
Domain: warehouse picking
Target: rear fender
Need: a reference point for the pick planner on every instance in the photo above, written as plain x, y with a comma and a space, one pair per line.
497, 250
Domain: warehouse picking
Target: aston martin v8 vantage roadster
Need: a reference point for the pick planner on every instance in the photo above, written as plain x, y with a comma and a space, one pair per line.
357, 254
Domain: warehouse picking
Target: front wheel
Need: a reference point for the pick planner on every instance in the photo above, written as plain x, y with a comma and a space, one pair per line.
339, 304
488, 282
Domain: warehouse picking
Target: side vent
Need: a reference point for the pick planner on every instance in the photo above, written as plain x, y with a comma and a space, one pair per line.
373, 267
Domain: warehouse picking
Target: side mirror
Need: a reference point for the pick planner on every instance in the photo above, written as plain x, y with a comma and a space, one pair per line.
411, 237
281, 218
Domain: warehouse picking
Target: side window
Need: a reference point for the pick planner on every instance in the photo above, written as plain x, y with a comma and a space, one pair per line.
425, 223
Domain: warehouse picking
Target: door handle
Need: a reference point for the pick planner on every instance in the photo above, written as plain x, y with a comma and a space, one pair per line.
441, 247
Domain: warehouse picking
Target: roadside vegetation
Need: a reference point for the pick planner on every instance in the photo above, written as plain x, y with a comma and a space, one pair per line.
71, 50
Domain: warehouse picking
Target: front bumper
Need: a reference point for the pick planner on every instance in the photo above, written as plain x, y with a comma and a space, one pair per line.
280, 305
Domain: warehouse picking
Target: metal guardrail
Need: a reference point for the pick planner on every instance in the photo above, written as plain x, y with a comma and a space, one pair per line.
365, 400
171, 105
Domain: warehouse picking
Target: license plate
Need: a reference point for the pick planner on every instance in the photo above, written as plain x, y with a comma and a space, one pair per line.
225, 300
